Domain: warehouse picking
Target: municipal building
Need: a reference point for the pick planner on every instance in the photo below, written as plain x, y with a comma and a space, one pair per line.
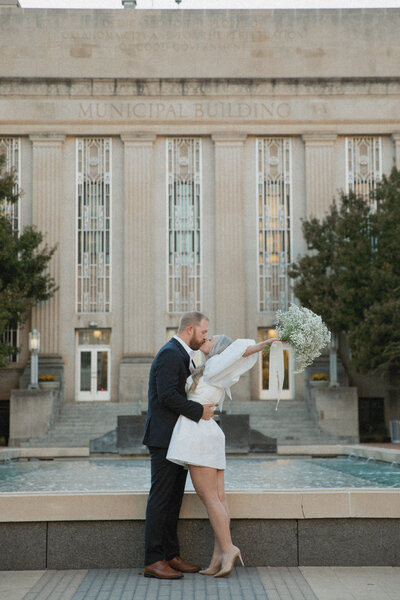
171, 156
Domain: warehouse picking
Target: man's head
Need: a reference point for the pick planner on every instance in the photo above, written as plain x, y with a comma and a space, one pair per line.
193, 329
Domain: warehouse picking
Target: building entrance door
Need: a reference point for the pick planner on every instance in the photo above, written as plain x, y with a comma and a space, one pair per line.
93, 366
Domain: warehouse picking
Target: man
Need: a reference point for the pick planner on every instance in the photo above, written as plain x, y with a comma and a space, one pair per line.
167, 400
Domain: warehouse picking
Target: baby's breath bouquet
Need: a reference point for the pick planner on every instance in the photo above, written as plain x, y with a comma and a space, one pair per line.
304, 331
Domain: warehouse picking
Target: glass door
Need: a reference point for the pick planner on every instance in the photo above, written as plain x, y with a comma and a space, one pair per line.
288, 382
94, 373
93, 365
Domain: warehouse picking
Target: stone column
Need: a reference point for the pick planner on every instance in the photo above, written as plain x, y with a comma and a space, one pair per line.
396, 139
139, 289
320, 186
230, 230
47, 196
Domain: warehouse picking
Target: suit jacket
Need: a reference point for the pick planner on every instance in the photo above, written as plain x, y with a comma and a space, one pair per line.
167, 397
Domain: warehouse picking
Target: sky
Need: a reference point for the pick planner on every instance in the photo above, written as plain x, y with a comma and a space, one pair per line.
209, 4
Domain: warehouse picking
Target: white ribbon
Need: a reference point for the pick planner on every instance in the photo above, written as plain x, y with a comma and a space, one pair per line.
227, 391
276, 370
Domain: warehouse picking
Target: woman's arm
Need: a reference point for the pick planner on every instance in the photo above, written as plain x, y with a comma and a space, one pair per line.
258, 347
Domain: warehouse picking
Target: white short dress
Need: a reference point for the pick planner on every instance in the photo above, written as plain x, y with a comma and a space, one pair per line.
203, 443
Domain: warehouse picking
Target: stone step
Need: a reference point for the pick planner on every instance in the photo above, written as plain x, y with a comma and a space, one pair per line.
80, 422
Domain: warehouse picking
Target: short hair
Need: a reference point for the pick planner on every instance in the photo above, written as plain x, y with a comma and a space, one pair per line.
190, 318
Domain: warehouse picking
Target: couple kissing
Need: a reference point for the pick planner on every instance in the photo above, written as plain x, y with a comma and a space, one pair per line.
182, 435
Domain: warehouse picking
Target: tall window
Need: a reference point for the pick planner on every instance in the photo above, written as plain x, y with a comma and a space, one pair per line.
363, 165
288, 385
10, 147
274, 222
184, 199
93, 225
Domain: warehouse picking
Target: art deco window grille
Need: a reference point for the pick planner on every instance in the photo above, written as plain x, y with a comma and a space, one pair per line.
363, 165
93, 225
274, 222
184, 199
11, 148
11, 337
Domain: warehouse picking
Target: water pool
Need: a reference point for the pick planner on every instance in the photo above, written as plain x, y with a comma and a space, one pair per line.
96, 475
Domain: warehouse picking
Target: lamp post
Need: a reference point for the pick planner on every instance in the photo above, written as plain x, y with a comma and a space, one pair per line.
333, 377
34, 347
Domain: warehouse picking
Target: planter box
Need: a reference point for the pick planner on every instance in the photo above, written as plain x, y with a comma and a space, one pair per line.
318, 384
48, 385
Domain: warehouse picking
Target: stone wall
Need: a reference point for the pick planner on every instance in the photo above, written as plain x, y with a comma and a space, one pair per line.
32, 412
263, 542
199, 43
337, 411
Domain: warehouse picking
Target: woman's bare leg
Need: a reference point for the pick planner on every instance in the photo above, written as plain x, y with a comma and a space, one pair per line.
205, 481
221, 490
222, 496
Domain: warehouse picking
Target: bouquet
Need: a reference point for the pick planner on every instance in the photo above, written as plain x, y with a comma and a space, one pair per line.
304, 331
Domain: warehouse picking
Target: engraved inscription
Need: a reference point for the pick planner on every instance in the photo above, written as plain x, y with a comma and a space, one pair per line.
199, 111
156, 38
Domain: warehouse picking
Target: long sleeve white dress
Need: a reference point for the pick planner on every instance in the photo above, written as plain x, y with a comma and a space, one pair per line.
203, 443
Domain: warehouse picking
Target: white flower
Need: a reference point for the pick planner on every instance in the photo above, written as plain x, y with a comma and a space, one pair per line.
305, 332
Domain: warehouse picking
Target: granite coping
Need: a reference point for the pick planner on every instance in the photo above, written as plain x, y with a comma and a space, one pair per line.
15, 453
385, 454
10, 453
376, 452
312, 450
258, 504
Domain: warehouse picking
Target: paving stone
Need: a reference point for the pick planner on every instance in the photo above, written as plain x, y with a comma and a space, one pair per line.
56, 585
242, 584
285, 583
262, 583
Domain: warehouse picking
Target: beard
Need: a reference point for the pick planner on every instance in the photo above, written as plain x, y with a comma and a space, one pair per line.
195, 344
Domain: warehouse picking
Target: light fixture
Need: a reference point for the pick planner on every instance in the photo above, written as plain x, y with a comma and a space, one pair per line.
34, 341
129, 3
92, 324
97, 334
34, 347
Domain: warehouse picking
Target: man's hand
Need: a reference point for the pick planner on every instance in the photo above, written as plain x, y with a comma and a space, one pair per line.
208, 411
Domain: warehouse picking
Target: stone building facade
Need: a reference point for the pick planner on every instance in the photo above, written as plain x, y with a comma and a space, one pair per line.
171, 156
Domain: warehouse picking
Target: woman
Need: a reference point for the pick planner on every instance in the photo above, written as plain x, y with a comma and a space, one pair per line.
201, 446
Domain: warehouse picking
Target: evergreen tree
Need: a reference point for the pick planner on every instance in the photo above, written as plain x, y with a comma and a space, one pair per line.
351, 276
376, 341
23, 262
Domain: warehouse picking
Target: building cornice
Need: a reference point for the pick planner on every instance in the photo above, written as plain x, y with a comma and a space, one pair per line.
122, 87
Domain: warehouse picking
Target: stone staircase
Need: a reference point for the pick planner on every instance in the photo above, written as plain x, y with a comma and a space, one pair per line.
291, 424
80, 422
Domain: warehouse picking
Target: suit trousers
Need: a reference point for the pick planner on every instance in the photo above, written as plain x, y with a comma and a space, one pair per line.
163, 507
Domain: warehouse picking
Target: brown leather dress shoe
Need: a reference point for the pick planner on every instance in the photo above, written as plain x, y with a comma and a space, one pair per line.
181, 565
161, 570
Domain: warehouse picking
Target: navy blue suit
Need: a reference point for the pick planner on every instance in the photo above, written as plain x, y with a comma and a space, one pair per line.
167, 400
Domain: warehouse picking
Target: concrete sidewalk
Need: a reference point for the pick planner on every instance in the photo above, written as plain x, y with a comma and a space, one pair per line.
262, 583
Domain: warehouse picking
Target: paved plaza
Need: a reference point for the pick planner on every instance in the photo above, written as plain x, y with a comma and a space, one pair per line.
262, 583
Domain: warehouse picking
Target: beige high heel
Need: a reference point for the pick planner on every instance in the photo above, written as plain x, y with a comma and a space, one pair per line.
228, 561
214, 567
